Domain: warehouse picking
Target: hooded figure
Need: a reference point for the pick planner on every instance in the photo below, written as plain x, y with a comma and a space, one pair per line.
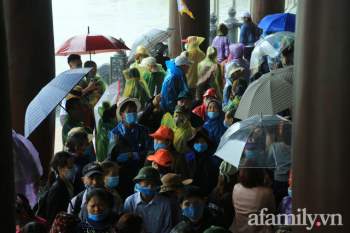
196, 55
174, 82
215, 121
154, 75
135, 86
202, 109
236, 56
209, 74
182, 130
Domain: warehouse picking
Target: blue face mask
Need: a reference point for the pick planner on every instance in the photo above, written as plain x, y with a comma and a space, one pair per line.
123, 157
158, 146
213, 115
131, 118
112, 182
97, 217
194, 213
146, 191
290, 192
251, 154
200, 147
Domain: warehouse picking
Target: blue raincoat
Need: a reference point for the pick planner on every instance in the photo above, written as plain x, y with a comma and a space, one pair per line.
215, 128
129, 148
174, 83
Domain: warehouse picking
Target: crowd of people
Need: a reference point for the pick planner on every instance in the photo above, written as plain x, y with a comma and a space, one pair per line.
152, 167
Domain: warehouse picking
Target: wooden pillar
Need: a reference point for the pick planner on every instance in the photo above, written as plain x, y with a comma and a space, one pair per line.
321, 115
260, 8
175, 39
7, 213
185, 26
31, 65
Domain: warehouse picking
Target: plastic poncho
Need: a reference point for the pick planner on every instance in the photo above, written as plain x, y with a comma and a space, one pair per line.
215, 128
102, 139
174, 83
196, 55
236, 55
136, 87
94, 96
209, 73
155, 80
181, 136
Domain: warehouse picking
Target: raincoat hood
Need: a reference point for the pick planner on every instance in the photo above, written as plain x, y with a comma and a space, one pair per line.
172, 68
211, 54
194, 41
236, 51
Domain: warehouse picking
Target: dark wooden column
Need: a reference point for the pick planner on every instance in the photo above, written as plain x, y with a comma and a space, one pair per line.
261, 8
321, 155
31, 64
185, 26
7, 213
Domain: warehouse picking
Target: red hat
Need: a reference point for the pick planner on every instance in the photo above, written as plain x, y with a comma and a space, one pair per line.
163, 133
161, 157
210, 92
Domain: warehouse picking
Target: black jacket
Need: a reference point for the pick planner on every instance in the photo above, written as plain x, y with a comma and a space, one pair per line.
57, 200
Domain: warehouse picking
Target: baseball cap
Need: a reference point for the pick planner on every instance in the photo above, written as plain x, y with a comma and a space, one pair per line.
92, 169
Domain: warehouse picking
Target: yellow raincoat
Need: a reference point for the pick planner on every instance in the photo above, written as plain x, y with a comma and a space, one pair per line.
196, 55
209, 74
136, 87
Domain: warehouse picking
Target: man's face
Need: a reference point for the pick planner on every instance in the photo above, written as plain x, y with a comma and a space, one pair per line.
95, 181
93, 72
75, 64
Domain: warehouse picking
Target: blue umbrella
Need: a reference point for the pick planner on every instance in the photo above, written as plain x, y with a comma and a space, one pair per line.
278, 23
50, 96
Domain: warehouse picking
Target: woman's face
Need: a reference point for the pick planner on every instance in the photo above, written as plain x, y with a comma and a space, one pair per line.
213, 107
96, 206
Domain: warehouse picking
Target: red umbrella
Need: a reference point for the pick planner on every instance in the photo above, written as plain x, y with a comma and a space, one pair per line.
91, 44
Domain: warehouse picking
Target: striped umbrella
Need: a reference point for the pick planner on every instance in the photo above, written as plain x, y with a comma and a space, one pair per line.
270, 94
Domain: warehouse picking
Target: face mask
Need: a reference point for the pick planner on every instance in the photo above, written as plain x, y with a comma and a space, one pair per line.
290, 192
70, 175
250, 154
112, 182
97, 217
158, 146
146, 191
213, 115
194, 213
131, 118
200, 147
123, 157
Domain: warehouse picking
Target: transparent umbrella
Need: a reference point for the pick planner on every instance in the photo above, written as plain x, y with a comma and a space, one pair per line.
271, 46
263, 140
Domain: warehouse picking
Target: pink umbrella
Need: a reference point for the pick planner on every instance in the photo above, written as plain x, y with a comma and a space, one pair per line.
90, 44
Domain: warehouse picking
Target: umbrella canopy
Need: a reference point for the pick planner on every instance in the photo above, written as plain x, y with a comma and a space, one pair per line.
149, 40
270, 94
110, 95
90, 44
50, 96
258, 134
27, 162
278, 23
272, 46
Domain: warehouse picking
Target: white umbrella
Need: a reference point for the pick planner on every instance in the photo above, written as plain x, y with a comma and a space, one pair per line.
50, 96
270, 94
149, 40
259, 131
110, 95
271, 46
